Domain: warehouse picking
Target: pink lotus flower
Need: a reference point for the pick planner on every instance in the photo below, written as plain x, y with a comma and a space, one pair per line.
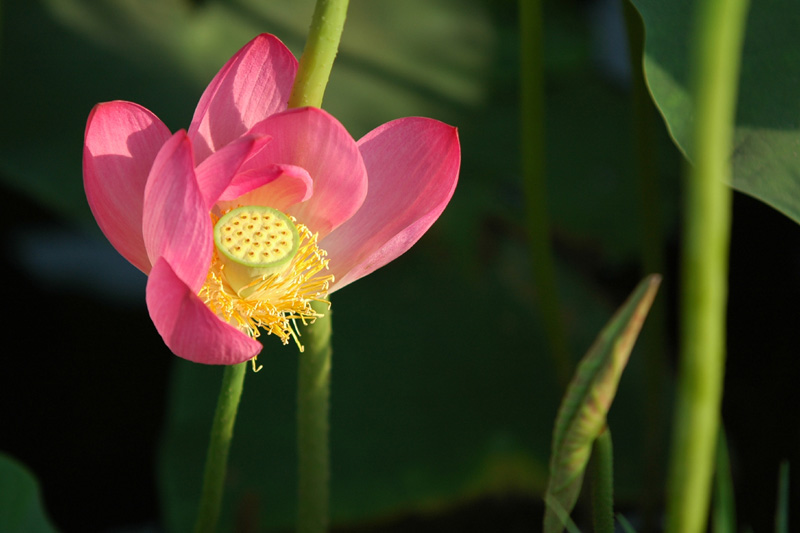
258, 210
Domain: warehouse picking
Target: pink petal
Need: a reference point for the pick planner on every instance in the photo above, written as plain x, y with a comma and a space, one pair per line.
413, 168
121, 142
189, 328
215, 173
278, 186
176, 223
255, 83
312, 139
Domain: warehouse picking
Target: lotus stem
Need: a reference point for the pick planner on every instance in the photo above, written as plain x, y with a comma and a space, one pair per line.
313, 426
532, 107
322, 44
653, 337
603, 483
313, 393
719, 34
218, 447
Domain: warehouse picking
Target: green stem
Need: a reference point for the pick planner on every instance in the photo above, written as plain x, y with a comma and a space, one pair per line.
313, 392
320, 51
312, 425
723, 513
782, 507
646, 153
653, 337
532, 108
719, 33
603, 483
218, 447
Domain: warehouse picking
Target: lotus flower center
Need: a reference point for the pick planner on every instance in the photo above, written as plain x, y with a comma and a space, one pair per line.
254, 241
265, 272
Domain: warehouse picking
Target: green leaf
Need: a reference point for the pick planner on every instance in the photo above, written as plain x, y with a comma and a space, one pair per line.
21, 509
406, 434
766, 163
583, 411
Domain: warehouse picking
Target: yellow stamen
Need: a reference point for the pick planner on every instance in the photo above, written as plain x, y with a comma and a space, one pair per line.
271, 301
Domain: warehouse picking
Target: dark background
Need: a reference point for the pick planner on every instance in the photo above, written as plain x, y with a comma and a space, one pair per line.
84, 389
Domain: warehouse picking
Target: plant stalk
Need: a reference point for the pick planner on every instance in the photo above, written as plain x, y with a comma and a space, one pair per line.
218, 448
653, 337
322, 44
532, 110
313, 393
603, 483
313, 426
719, 34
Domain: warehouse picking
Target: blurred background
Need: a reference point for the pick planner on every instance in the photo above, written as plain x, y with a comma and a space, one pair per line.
443, 389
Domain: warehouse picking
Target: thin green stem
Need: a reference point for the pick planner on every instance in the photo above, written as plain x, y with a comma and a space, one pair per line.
318, 55
646, 152
312, 425
653, 337
719, 34
218, 447
603, 483
782, 507
532, 108
723, 511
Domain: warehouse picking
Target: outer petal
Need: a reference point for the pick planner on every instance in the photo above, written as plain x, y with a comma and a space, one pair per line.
121, 142
176, 222
255, 83
188, 327
413, 168
312, 139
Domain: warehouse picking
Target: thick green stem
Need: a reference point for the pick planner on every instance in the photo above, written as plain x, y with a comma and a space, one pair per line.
603, 483
653, 337
312, 425
313, 392
719, 34
532, 109
218, 447
320, 51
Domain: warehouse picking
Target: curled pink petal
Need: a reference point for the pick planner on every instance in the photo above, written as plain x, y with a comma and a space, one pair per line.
216, 172
413, 168
121, 142
176, 223
189, 328
312, 139
278, 186
253, 84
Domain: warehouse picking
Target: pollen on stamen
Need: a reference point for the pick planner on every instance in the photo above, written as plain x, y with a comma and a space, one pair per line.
275, 302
